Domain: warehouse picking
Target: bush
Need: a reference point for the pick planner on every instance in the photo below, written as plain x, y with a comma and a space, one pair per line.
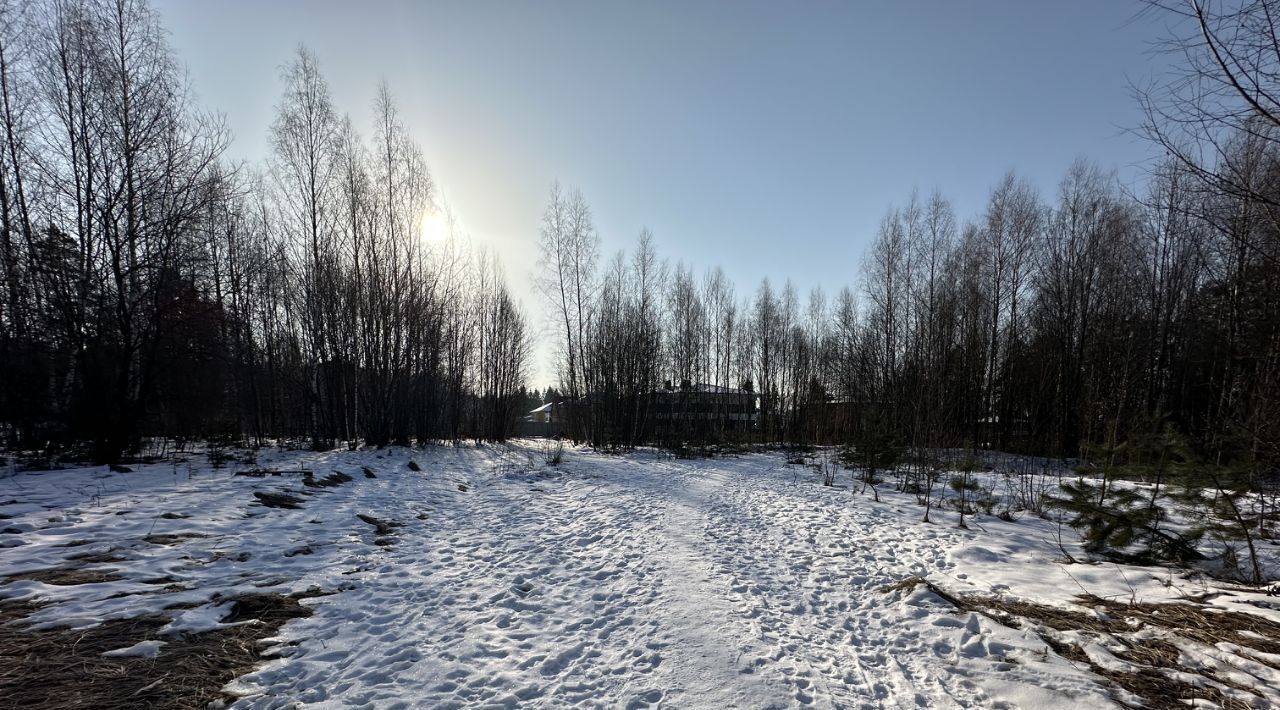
553, 451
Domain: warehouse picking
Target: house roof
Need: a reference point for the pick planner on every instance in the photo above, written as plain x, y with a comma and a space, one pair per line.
544, 408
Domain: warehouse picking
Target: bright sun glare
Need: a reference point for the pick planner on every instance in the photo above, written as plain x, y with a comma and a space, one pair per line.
434, 227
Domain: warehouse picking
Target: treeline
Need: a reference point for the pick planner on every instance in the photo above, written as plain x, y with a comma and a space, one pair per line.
1055, 324
152, 288
1040, 326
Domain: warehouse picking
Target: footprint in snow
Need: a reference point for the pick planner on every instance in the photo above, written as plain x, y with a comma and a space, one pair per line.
645, 699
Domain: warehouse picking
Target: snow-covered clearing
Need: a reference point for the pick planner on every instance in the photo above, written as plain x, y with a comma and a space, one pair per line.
488, 578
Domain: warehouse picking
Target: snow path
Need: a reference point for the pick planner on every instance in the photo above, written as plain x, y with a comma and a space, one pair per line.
800, 574
635, 581
594, 591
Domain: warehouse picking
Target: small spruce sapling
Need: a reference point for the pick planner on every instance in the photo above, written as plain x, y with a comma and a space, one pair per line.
1120, 522
876, 450
1227, 495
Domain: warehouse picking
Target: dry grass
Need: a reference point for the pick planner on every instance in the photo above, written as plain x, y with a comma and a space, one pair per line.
13, 611
334, 479
97, 558
170, 539
908, 584
66, 669
1199, 623
278, 500
68, 576
384, 528
1153, 659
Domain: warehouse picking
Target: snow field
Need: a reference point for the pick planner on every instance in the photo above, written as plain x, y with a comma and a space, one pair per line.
634, 581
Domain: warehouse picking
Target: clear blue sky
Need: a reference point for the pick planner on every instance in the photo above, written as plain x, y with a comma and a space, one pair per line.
768, 138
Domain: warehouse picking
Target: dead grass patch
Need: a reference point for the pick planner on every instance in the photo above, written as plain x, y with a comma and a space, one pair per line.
12, 610
337, 478
97, 558
66, 669
170, 539
1200, 623
242, 556
906, 585
278, 500
383, 527
1155, 659
68, 576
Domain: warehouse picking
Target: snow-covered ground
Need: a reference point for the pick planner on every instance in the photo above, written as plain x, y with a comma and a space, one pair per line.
629, 581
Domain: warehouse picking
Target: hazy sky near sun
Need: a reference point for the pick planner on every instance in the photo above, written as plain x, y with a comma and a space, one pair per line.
765, 137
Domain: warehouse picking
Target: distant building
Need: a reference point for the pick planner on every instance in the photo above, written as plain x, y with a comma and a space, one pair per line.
686, 410
546, 420
698, 406
546, 414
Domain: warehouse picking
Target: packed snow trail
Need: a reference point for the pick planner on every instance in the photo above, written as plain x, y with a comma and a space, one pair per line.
633, 581
637, 581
